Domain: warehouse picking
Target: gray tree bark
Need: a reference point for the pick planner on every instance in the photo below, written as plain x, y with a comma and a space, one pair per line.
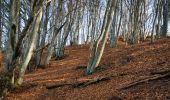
98, 46
38, 11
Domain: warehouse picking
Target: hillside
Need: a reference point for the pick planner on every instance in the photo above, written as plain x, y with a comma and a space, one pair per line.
126, 65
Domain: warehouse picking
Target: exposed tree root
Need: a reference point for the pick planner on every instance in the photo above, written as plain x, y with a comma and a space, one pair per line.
92, 81
85, 82
151, 78
51, 86
80, 82
161, 72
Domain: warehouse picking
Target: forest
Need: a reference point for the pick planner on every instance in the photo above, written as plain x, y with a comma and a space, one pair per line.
84, 49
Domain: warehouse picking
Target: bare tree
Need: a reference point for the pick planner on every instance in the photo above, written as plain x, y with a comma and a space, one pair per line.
97, 47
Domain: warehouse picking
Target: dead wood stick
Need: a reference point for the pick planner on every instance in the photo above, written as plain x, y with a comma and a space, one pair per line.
151, 78
161, 72
79, 82
92, 81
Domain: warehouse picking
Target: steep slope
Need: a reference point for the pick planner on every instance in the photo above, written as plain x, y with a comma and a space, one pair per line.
126, 64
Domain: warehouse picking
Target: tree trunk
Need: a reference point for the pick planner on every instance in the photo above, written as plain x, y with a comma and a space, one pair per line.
51, 45
165, 17
60, 49
113, 30
34, 36
44, 34
0, 25
153, 27
98, 46
55, 32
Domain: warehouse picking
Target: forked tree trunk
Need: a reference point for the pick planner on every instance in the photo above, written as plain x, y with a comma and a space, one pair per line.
13, 40
30, 51
99, 45
56, 32
60, 49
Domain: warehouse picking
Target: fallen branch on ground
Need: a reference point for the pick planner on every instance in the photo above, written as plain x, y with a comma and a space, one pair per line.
80, 82
161, 72
91, 81
151, 78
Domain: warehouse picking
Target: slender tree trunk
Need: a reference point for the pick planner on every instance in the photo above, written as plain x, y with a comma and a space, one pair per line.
56, 32
60, 49
98, 47
113, 30
153, 27
51, 45
165, 17
44, 34
12, 38
0, 24
158, 27
88, 27
120, 21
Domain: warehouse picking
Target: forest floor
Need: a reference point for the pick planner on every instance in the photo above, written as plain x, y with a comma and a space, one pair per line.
137, 72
